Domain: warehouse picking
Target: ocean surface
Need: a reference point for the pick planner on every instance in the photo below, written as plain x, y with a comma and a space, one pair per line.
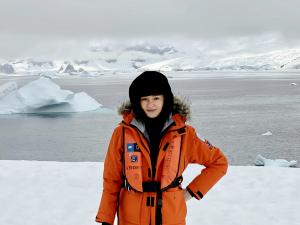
231, 111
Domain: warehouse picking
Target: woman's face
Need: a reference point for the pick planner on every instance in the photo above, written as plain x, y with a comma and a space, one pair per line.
152, 105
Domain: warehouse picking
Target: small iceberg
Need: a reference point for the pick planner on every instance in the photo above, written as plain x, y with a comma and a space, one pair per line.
293, 84
268, 133
43, 96
262, 161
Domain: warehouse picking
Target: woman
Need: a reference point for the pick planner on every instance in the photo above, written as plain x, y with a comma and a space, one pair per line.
147, 155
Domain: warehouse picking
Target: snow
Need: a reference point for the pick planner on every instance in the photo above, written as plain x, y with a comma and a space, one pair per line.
67, 193
43, 96
262, 161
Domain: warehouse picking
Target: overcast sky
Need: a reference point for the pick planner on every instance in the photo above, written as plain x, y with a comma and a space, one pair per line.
25, 22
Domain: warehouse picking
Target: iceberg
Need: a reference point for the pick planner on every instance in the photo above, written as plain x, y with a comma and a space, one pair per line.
7, 88
262, 161
43, 96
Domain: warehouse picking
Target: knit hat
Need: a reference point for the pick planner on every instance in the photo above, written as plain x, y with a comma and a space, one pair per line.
150, 83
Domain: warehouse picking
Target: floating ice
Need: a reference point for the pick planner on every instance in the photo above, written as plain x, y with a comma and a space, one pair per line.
293, 84
262, 161
43, 96
268, 133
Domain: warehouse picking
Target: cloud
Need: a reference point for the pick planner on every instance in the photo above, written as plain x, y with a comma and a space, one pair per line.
134, 18
37, 26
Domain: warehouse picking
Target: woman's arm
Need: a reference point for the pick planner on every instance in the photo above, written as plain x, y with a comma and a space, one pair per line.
112, 179
212, 158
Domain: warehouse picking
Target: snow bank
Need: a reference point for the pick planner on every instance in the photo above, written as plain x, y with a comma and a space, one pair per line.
47, 193
43, 96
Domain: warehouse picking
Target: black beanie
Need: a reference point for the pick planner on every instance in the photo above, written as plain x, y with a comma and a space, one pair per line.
150, 83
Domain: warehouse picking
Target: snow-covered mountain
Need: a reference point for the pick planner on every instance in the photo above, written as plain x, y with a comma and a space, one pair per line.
7, 68
105, 56
152, 49
275, 60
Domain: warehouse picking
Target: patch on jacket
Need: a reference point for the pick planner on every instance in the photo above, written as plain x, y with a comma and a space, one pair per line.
134, 158
132, 147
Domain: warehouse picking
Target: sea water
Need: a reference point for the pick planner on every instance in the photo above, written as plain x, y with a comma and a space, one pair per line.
231, 111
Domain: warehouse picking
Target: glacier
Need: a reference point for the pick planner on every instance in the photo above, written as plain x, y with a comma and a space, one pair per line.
43, 96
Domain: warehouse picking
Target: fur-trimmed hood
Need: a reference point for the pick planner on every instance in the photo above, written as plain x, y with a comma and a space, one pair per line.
180, 106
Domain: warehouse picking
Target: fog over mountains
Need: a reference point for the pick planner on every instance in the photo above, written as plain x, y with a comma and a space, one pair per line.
102, 56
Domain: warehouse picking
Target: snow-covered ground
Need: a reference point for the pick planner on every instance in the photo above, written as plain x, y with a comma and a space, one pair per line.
64, 193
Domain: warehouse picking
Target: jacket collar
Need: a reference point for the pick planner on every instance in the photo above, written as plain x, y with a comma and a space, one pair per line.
181, 113
176, 119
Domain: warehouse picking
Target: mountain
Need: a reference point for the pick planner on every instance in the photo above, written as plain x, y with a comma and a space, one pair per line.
113, 56
67, 68
153, 49
275, 60
7, 69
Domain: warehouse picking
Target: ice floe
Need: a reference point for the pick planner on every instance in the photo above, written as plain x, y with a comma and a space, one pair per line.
262, 161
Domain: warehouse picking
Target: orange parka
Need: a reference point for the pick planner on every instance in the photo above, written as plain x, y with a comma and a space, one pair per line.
137, 207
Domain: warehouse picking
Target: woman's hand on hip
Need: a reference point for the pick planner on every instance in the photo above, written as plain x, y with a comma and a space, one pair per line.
187, 196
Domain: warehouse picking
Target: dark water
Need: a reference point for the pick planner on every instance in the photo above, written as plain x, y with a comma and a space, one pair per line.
232, 112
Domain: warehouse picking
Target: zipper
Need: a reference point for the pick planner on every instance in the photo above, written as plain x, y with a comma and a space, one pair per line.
161, 138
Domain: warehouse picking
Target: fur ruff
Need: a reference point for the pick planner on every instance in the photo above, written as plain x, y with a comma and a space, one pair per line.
180, 106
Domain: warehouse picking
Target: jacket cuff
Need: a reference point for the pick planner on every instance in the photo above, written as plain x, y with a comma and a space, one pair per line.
98, 220
198, 195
